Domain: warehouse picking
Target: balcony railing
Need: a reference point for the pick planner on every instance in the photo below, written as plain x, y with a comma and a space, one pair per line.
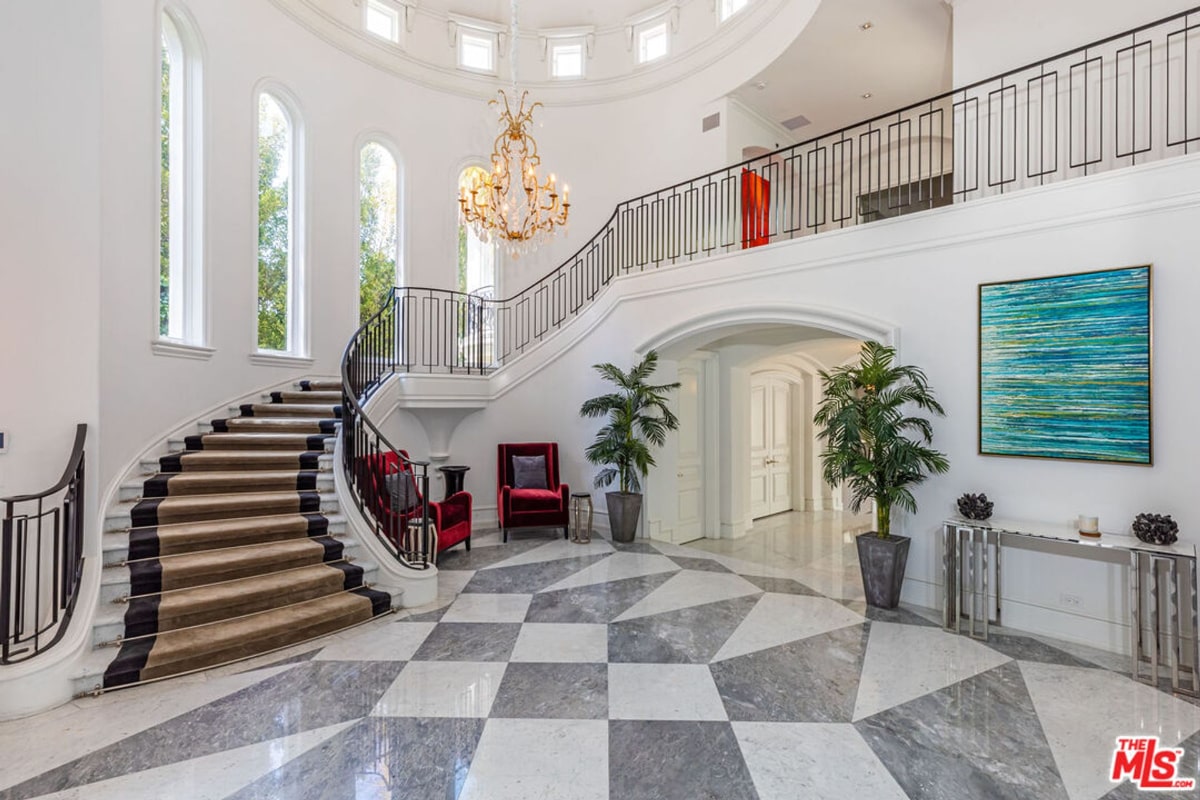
1124, 100
41, 561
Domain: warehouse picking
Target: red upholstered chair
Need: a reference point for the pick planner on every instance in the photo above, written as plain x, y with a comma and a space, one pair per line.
530, 507
451, 517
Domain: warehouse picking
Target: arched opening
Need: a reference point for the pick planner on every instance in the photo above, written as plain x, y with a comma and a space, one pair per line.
477, 280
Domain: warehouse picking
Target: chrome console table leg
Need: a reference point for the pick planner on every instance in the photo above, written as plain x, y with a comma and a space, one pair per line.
1135, 615
949, 571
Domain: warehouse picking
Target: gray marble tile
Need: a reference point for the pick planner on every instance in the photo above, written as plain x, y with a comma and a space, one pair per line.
469, 641
1024, 648
687, 636
811, 680
899, 615
700, 564
378, 757
979, 739
781, 586
480, 557
528, 578
598, 603
308, 696
636, 547
553, 691
668, 760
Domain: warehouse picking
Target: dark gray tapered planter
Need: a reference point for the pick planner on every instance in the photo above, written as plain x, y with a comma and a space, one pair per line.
624, 508
882, 562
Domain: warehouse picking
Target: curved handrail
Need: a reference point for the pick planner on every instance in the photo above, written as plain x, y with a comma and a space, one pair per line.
41, 560
367, 454
957, 146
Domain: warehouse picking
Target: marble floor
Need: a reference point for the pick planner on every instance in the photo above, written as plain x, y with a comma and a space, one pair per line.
556, 671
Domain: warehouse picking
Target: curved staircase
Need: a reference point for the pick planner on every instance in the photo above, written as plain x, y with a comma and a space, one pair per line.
232, 547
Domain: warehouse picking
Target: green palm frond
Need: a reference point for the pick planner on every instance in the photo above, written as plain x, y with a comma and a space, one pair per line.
864, 422
638, 416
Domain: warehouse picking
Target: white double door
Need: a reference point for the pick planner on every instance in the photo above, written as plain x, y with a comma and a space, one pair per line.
770, 446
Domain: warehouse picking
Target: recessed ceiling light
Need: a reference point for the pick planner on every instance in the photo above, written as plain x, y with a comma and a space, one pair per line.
866, 95
866, 26
760, 85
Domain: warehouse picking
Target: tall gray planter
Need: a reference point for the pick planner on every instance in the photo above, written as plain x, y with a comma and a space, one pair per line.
882, 563
624, 508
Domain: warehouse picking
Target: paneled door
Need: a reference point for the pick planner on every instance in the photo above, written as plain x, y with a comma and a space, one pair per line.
689, 476
770, 446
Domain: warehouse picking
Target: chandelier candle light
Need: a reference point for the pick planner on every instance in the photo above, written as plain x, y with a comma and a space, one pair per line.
510, 204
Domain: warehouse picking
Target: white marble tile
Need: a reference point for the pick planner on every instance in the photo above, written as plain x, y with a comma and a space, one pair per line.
688, 589
1083, 711
663, 692
819, 761
617, 567
540, 759
781, 618
209, 777
555, 642
488, 608
555, 550
903, 662
394, 642
442, 689
840, 584
687, 551
34, 745
744, 567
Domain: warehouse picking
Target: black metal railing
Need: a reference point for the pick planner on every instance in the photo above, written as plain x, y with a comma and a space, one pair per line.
1125, 100
368, 458
41, 561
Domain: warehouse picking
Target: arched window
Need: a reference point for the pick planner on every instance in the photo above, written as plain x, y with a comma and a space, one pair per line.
477, 279
476, 258
180, 273
378, 226
280, 311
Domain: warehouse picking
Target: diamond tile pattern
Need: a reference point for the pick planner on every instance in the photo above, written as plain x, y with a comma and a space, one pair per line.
635, 671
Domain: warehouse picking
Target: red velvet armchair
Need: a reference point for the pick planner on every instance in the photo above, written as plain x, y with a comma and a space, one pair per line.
451, 517
530, 507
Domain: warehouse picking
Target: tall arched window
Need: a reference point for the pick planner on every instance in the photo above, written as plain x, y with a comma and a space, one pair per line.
476, 258
378, 226
180, 272
280, 311
476, 279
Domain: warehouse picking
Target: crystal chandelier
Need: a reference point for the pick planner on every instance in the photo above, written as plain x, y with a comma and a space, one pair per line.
510, 204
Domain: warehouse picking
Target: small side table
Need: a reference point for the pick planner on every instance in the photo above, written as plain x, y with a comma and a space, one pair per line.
581, 535
455, 475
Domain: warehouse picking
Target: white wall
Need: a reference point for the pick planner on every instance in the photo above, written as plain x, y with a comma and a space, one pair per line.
994, 36
607, 152
918, 277
50, 197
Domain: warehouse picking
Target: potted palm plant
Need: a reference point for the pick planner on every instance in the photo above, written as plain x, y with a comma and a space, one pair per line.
878, 449
638, 418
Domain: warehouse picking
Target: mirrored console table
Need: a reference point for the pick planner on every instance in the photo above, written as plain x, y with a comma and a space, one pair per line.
971, 580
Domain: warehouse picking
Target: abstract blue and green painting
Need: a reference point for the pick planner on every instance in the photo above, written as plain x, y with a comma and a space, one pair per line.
1064, 367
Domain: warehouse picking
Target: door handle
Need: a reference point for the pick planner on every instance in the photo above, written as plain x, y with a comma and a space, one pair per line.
678, 474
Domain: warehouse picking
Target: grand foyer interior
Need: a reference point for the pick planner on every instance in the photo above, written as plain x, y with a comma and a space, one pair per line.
762, 319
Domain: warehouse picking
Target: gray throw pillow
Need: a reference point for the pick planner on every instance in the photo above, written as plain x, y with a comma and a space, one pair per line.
529, 472
403, 489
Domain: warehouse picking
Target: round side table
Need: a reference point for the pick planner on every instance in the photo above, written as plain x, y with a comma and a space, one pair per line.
455, 475
580, 534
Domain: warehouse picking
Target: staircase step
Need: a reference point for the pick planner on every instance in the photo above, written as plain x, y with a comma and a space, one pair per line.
330, 385
318, 410
306, 397
258, 441
178, 652
178, 484
191, 537
275, 425
237, 460
252, 504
